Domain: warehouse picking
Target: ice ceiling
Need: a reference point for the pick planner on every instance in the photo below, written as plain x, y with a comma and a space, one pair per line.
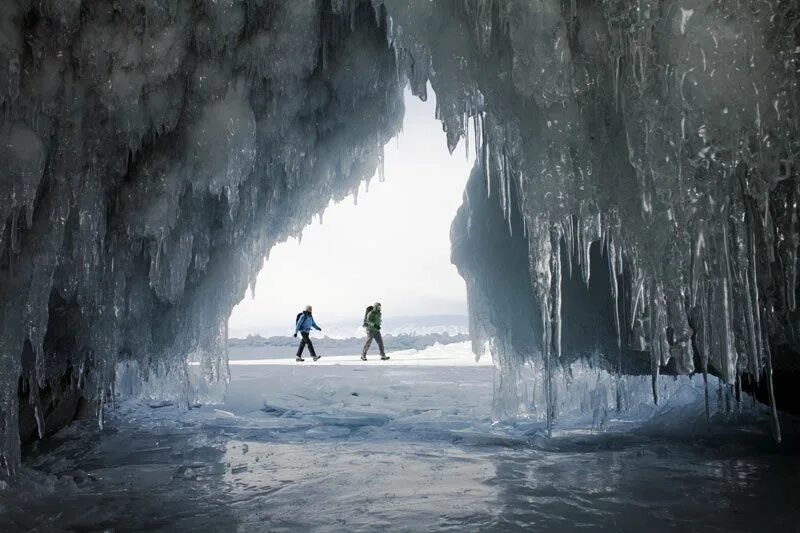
153, 151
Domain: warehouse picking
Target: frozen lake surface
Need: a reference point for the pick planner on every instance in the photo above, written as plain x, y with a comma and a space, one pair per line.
404, 446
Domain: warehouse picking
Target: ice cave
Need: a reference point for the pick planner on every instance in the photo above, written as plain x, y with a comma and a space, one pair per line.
628, 239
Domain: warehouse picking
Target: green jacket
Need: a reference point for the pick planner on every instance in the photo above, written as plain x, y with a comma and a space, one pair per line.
374, 319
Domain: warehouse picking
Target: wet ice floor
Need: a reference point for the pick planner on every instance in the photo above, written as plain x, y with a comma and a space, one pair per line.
401, 448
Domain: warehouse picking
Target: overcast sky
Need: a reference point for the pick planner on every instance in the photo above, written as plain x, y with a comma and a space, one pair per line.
393, 247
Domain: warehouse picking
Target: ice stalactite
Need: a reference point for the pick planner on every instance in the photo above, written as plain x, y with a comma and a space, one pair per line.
582, 378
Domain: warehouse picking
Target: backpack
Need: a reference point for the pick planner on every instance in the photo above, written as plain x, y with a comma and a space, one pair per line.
297, 318
366, 314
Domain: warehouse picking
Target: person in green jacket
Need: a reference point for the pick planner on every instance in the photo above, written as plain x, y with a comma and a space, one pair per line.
372, 323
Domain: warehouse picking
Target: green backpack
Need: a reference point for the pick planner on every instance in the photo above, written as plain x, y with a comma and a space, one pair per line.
366, 314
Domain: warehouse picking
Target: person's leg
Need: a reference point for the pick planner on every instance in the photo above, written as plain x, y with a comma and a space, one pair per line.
366, 344
307, 340
379, 340
302, 344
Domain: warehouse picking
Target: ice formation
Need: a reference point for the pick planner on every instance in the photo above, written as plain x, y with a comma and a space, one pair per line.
662, 133
152, 152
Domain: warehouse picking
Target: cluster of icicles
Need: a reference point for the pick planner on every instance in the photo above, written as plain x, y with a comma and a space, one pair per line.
717, 313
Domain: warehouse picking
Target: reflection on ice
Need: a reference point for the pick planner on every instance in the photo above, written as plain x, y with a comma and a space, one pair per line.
367, 447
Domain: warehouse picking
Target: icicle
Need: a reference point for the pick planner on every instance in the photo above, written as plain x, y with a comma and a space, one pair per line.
586, 260
739, 392
599, 230
37, 413
637, 295
697, 258
614, 284
750, 323
486, 164
477, 126
253, 288
381, 169
707, 400
466, 138
100, 408
761, 341
556, 288
579, 247
568, 234
510, 225
548, 366
655, 345
509, 177
776, 424
728, 346
540, 256
705, 342
502, 185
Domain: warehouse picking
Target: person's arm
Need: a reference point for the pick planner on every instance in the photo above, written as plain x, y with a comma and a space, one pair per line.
314, 324
297, 325
371, 320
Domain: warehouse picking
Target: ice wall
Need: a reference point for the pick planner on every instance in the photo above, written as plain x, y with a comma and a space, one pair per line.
667, 131
151, 153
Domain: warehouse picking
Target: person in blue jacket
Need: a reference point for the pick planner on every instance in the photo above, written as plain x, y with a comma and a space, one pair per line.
303, 325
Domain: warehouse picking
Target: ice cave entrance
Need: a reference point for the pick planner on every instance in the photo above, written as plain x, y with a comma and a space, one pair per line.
389, 243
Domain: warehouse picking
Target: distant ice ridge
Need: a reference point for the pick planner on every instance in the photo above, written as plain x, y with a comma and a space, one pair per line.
345, 332
341, 329
405, 326
455, 354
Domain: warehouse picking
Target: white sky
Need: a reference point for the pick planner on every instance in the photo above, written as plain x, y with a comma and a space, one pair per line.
393, 247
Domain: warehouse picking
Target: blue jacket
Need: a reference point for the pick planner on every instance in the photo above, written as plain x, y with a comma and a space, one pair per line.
305, 323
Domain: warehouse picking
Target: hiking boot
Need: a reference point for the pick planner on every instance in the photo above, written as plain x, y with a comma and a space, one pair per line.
363, 357
299, 359
384, 357
316, 357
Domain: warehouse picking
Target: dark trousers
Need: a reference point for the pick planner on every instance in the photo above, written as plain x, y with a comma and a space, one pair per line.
306, 341
373, 334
